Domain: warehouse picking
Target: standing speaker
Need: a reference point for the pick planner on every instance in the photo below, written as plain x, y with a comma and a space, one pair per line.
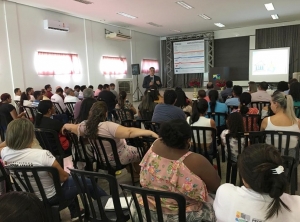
135, 69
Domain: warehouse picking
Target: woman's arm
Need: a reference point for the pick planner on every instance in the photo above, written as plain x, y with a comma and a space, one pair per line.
14, 114
264, 124
130, 132
213, 123
70, 127
133, 109
63, 175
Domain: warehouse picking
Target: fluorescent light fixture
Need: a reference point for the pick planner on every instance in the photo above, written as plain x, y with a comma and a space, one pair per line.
126, 15
205, 16
154, 24
185, 5
174, 30
219, 25
275, 16
269, 6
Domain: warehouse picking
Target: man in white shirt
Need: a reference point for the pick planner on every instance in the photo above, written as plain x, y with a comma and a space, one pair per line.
17, 92
112, 89
57, 97
261, 95
70, 96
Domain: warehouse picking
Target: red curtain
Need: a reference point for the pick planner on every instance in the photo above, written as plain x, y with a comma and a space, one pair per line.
147, 63
113, 65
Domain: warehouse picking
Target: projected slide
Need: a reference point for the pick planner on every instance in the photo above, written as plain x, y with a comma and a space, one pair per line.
189, 57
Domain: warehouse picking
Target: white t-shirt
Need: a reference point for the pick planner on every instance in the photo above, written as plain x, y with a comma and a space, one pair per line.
71, 99
57, 98
241, 204
234, 146
32, 157
18, 98
204, 122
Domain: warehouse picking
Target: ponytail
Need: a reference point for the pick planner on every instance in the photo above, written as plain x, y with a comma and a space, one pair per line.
244, 109
289, 111
195, 113
23, 97
245, 99
213, 96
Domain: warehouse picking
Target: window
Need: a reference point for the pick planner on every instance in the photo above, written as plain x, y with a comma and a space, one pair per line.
50, 63
147, 63
113, 65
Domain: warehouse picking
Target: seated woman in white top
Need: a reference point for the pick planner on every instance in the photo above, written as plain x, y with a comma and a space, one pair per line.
283, 120
198, 118
262, 197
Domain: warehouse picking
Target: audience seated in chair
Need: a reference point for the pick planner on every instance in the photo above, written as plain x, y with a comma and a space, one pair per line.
295, 93
18, 93
236, 93
70, 96
58, 98
87, 93
24, 101
215, 106
123, 103
157, 97
290, 83
147, 106
183, 101
202, 95
252, 87
110, 99
170, 166
19, 153
282, 86
228, 91
261, 95
262, 197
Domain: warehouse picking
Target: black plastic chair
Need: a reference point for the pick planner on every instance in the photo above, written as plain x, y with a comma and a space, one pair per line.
124, 114
27, 177
4, 177
58, 108
102, 158
49, 140
70, 108
297, 111
95, 209
146, 114
3, 126
133, 123
200, 145
260, 105
17, 102
153, 126
30, 113
131, 191
251, 121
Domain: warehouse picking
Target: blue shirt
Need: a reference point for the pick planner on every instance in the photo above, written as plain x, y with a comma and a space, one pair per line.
232, 102
165, 112
220, 108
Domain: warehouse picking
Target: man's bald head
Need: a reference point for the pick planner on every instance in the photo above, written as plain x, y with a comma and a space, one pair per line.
210, 85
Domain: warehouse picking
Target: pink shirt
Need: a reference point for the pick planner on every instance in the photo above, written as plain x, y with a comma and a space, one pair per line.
260, 96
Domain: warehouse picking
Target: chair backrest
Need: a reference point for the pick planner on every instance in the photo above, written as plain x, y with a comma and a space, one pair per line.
17, 102
4, 177
297, 111
288, 164
157, 197
49, 140
70, 107
142, 144
260, 105
80, 177
252, 120
137, 123
30, 112
124, 114
153, 126
146, 114
217, 117
58, 108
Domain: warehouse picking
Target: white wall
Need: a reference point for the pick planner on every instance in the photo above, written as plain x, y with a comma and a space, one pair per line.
86, 38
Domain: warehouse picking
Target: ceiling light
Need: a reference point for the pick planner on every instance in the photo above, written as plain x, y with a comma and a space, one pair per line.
185, 5
154, 24
174, 30
219, 24
275, 16
126, 15
269, 6
204, 16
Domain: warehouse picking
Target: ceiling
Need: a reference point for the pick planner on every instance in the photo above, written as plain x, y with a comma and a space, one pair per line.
171, 16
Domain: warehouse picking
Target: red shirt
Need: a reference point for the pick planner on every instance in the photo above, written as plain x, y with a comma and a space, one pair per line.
49, 94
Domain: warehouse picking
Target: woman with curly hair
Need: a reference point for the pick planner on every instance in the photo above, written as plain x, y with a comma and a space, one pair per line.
96, 125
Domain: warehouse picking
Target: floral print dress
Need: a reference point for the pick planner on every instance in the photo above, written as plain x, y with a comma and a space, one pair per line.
163, 174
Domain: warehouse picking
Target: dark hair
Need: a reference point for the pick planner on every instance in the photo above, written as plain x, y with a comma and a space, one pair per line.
235, 123
4, 97
282, 86
201, 93
199, 107
16, 90
23, 97
85, 108
175, 133
28, 90
112, 84
181, 98
148, 101
36, 94
21, 206
121, 100
105, 86
170, 96
67, 87
263, 85
47, 86
255, 164
213, 97
42, 109
229, 84
91, 87
83, 87
210, 85
295, 91
245, 99
293, 80
59, 90
77, 87
97, 115
237, 90
155, 92
100, 86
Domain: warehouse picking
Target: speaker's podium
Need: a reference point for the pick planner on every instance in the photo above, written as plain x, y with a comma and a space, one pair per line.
222, 72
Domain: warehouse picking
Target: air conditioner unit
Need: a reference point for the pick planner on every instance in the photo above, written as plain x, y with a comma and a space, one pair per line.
125, 85
56, 25
117, 36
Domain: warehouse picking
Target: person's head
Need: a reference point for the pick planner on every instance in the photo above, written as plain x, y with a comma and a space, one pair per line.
245, 99
98, 114
91, 87
209, 85
59, 91
66, 88
201, 94
148, 101
170, 97
263, 86
281, 102
292, 81
29, 91
70, 92
100, 86
5, 98
199, 109
295, 91
155, 92
252, 87
38, 95
112, 86
77, 88
45, 108
88, 93
257, 164
181, 98
16, 140
213, 96
83, 87
85, 109
151, 71
21, 206
105, 87
235, 123
176, 134
48, 88
17, 91
122, 98
23, 97
237, 91
229, 84
43, 91
282, 86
